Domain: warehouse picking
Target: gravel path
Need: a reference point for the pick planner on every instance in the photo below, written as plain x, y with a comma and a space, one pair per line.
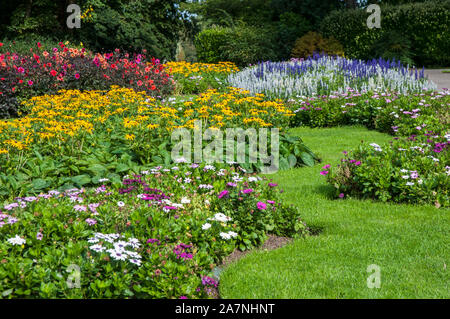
442, 80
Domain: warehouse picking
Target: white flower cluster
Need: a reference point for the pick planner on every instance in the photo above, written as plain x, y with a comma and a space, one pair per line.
229, 235
376, 147
117, 248
220, 218
17, 240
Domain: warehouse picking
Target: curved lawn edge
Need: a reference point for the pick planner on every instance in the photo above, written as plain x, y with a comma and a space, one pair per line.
407, 242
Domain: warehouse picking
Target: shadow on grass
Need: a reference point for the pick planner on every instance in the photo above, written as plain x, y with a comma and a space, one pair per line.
328, 191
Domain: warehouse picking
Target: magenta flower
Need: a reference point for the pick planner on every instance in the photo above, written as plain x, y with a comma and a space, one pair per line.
261, 205
223, 194
247, 191
272, 185
324, 173
271, 202
341, 195
326, 166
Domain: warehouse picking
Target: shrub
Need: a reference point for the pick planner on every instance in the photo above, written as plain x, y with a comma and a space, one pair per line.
209, 42
242, 46
425, 24
313, 42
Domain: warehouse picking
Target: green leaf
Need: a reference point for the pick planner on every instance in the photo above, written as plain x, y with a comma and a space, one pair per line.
307, 159
81, 180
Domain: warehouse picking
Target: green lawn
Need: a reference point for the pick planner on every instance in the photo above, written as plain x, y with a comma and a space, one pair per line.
410, 244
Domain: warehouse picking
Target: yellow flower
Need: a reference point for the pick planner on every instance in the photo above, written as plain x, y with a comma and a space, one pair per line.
130, 137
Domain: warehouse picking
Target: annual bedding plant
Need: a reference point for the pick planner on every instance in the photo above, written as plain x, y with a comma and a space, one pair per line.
384, 95
159, 234
47, 72
87, 183
74, 138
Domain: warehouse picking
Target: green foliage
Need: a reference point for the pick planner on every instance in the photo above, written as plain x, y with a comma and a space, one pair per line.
128, 25
243, 45
208, 44
425, 26
313, 42
392, 45
168, 237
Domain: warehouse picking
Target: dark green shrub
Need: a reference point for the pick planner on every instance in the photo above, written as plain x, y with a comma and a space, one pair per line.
244, 45
426, 26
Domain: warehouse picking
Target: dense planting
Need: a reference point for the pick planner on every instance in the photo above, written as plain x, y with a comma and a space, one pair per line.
414, 168
324, 75
43, 72
74, 138
194, 78
157, 235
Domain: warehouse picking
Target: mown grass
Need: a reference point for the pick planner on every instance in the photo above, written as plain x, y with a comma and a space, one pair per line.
409, 243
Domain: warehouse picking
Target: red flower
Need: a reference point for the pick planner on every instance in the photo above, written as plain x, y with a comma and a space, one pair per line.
39, 45
139, 83
1, 44
53, 72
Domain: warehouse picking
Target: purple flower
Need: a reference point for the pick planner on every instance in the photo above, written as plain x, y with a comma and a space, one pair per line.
247, 191
273, 185
39, 236
79, 208
91, 221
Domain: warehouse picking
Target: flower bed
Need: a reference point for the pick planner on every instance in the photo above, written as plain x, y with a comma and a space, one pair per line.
414, 168
391, 113
74, 138
194, 78
157, 235
325, 75
44, 72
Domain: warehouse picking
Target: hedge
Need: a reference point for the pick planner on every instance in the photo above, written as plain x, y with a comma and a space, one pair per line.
425, 25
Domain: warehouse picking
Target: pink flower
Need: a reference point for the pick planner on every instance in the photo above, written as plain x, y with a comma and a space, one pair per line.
326, 166
77, 76
324, 173
261, 205
30, 82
